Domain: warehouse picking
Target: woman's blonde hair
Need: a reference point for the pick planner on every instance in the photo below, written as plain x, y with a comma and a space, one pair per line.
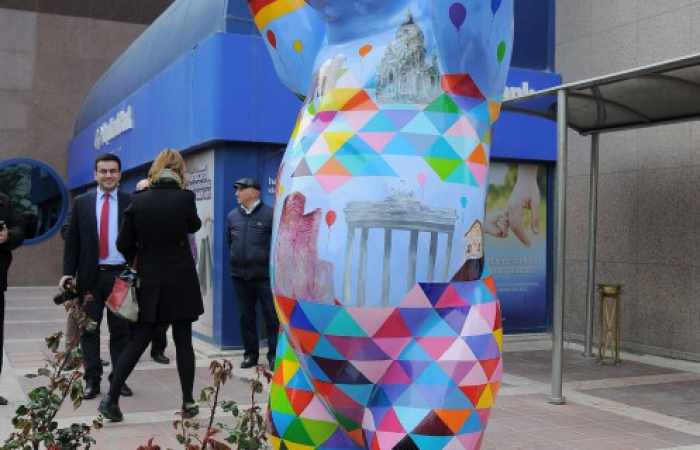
167, 159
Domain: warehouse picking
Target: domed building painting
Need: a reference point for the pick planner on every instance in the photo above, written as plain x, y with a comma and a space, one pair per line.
406, 72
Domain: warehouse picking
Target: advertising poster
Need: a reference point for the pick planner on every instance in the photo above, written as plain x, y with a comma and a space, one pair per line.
268, 166
200, 170
516, 242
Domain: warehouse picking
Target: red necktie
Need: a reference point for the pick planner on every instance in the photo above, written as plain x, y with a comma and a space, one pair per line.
104, 228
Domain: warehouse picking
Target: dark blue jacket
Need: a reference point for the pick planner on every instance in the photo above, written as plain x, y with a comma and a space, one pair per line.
249, 238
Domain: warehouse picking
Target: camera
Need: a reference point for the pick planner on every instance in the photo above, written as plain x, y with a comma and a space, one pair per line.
70, 292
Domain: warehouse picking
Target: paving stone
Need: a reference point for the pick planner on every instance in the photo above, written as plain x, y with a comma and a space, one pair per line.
519, 421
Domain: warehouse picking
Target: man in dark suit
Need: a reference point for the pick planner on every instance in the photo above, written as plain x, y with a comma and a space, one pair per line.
91, 257
11, 236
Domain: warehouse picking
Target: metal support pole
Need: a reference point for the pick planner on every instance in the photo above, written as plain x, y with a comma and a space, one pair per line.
593, 233
560, 252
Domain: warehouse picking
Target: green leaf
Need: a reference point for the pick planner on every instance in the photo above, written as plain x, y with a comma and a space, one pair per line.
76, 394
53, 341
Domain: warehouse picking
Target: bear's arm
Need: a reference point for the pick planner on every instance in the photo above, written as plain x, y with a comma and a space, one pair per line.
293, 33
474, 38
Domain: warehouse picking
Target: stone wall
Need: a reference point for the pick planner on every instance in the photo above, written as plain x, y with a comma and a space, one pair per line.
649, 212
48, 63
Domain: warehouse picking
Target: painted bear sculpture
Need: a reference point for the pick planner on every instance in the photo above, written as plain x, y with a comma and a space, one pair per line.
391, 332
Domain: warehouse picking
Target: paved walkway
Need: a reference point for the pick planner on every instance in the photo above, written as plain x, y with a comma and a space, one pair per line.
647, 403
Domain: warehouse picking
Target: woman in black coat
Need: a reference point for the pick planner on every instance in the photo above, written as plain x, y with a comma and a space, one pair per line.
154, 236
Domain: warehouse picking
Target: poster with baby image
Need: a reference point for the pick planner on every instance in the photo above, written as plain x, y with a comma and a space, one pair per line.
515, 229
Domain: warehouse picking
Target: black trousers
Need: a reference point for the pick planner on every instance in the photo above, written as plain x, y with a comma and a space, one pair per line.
119, 329
159, 339
2, 326
249, 294
141, 337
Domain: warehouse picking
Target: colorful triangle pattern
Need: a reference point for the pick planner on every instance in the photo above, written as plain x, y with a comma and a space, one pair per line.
348, 135
422, 375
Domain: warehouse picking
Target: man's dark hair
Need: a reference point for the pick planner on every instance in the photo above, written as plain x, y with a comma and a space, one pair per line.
108, 157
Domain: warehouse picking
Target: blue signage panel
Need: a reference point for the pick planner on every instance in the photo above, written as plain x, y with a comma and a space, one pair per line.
225, 89
521, 136
533, 46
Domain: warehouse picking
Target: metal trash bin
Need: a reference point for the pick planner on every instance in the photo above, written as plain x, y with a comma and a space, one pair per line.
609, 317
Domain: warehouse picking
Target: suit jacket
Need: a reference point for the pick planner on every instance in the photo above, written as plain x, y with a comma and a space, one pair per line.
81, 246
155, 232
16, 235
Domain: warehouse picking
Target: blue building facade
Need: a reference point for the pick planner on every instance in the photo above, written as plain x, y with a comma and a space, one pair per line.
200, 80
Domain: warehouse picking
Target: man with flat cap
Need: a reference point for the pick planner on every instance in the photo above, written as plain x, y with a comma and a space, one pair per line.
249, 232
